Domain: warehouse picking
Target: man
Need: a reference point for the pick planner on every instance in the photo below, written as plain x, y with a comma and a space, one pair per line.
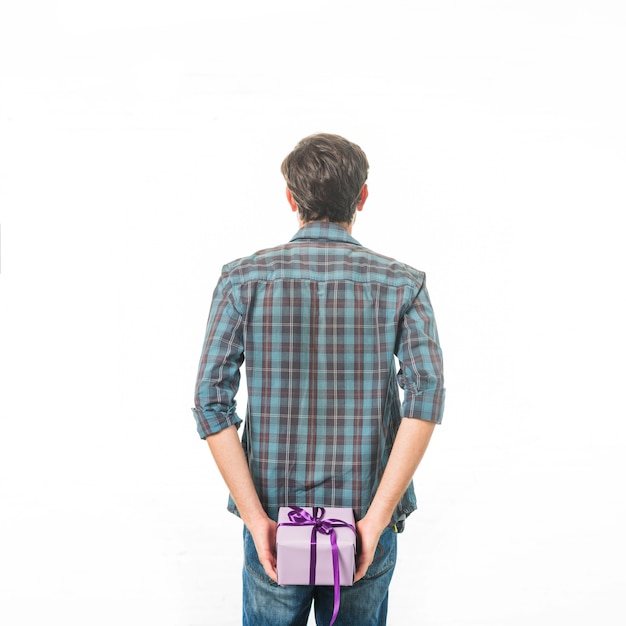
319, 322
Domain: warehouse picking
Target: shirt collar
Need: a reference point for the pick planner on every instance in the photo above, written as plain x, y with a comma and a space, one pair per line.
324, 231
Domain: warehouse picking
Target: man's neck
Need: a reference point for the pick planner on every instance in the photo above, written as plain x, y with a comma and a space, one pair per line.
345, 225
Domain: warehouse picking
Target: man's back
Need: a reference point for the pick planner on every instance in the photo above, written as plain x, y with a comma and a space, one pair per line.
318, 322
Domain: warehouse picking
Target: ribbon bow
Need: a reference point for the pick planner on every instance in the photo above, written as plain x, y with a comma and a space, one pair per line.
299, 517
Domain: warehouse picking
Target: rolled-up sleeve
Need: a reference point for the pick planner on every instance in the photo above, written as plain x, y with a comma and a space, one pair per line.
219, 370
421, 361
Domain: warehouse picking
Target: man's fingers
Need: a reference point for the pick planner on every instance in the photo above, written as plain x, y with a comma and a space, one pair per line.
359, 574
268, 561
363, 563
264, 535
269, 565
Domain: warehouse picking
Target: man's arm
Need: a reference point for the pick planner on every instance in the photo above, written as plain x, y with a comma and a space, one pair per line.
421, 377
408, 449
231, 461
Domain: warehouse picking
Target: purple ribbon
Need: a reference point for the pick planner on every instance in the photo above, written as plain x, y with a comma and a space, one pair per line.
299, 517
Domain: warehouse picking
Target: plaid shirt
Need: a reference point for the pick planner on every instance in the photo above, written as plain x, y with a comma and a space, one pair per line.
319, 321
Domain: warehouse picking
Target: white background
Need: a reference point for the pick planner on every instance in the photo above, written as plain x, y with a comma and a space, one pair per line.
140, 148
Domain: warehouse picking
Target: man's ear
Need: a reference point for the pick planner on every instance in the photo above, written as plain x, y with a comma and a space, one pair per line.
292, 202
363, 198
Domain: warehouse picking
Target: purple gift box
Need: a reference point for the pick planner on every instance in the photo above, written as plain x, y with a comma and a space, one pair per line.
315, 546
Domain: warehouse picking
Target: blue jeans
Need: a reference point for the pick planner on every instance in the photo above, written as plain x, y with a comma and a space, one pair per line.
364, 604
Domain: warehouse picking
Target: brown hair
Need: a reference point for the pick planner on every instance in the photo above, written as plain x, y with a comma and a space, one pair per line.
325, 174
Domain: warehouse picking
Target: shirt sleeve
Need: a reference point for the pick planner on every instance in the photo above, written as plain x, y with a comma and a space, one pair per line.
421, 362
222, 355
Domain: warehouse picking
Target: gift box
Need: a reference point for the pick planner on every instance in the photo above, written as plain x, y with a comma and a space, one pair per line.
315, 546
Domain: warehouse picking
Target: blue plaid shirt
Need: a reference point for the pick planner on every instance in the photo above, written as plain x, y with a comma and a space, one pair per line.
318, 322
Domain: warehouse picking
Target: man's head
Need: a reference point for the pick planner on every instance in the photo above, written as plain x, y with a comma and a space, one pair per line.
325, 177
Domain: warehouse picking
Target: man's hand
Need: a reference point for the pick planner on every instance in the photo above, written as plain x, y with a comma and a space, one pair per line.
407, 452
231, 461
263, 532
368, 533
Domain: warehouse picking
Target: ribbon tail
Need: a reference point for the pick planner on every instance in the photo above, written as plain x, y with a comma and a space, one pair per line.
335, 552
313, 556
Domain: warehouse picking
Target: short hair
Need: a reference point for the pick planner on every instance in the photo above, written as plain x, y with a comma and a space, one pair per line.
325, 174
